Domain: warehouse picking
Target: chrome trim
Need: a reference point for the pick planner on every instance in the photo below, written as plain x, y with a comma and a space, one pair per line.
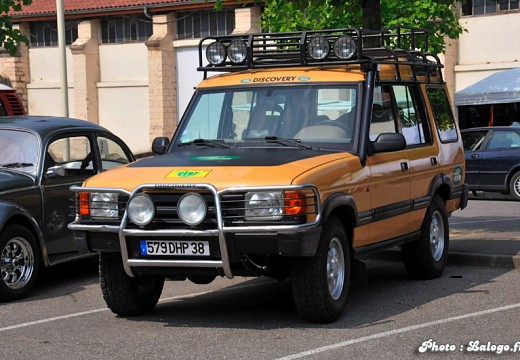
95, 228
167, 232
220, 231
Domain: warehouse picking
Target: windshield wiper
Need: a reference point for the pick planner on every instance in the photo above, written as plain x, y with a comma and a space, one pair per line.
210, 143
288, 142
16, 165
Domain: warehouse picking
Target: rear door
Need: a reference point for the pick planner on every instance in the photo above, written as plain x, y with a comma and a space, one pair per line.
502, 153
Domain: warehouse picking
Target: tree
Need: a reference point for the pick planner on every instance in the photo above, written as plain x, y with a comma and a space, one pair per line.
437, 16
10, 37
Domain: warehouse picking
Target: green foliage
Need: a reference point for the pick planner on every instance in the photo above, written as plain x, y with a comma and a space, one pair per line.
10, 37
437, 16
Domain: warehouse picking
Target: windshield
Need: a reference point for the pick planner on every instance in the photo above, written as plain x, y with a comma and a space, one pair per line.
19, 150
321, 115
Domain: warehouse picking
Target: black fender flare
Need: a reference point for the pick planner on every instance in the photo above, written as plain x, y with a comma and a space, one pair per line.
9, 210
336, 201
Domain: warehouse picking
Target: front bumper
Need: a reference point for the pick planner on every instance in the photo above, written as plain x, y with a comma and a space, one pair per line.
228, 241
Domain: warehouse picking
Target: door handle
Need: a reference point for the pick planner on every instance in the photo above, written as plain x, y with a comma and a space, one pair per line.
404, 166
475, 156
433, 161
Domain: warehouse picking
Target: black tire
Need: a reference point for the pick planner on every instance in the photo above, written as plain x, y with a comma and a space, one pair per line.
514, 186
316, 298
426, 258
19, 262
125, 295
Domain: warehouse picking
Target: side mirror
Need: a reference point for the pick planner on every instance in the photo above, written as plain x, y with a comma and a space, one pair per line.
160, 145
387, 142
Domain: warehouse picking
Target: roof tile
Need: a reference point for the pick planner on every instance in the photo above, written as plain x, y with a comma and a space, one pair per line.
47, 7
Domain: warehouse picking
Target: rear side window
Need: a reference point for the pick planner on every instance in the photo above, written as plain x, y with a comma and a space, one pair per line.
444, 120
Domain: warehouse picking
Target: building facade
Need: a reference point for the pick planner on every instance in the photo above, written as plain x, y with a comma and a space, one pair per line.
131, 67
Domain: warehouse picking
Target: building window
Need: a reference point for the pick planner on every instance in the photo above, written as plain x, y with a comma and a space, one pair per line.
131, 28
482, 7
46, 33
194, 25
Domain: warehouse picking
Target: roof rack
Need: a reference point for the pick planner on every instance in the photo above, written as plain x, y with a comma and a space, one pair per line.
398, 45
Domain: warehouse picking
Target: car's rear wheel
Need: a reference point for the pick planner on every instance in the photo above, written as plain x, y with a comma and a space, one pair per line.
426, 258
514, 186
320, 284
126, 295
19, 262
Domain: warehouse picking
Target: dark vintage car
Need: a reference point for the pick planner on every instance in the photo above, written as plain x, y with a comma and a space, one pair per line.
493, 159
40, 158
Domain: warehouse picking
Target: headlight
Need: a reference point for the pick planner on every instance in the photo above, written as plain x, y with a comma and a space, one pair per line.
266, 205
345, 47
192, 209
141, 209
237, 51
318, 48
103, 205
216, 53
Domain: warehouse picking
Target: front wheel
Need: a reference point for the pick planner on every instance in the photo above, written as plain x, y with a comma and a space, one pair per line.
426, 258
19, 262
514, 186
320, 284
126, 295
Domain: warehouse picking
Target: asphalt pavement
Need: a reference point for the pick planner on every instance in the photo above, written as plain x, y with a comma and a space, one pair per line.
491, 240
486, 233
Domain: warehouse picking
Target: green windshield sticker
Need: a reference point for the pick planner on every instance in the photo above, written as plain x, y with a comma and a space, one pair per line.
215, 158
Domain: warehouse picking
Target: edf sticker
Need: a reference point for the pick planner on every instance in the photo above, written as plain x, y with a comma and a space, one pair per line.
189, 173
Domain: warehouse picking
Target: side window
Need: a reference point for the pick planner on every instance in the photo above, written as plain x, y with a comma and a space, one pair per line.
70, 156
504, 140
472, 141
112, 154
409, 117
383, 116
442, 114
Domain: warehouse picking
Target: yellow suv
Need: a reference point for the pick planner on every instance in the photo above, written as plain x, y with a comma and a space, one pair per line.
307, 151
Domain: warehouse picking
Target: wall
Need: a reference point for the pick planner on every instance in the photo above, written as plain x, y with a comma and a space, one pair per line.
490, 44
123, 93
44, 89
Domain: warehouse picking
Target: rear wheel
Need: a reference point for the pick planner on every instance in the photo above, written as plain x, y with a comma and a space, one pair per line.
514, 186
320, 284
126, 295
19, 262
426, 258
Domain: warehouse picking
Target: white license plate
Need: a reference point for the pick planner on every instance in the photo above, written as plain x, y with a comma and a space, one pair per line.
170, 247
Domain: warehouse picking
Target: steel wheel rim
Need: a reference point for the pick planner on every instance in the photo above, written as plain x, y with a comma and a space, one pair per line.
17, 263
335, 268
516, 186
437, 235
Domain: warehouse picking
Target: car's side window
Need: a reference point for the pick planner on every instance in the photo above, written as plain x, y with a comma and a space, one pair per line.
69, 156
112, 154
472, 141
504, 140
442, 114
410, 119
383, 115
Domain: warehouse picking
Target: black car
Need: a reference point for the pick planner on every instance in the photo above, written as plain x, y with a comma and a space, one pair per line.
40, 158
493, 159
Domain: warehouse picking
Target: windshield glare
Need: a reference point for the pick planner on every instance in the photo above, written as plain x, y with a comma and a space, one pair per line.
314, 114
19, 150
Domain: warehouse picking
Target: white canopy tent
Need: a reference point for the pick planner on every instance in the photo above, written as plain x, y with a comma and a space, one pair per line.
501, 87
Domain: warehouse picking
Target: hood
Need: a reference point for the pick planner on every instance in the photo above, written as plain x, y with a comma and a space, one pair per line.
222, 168
10, 180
